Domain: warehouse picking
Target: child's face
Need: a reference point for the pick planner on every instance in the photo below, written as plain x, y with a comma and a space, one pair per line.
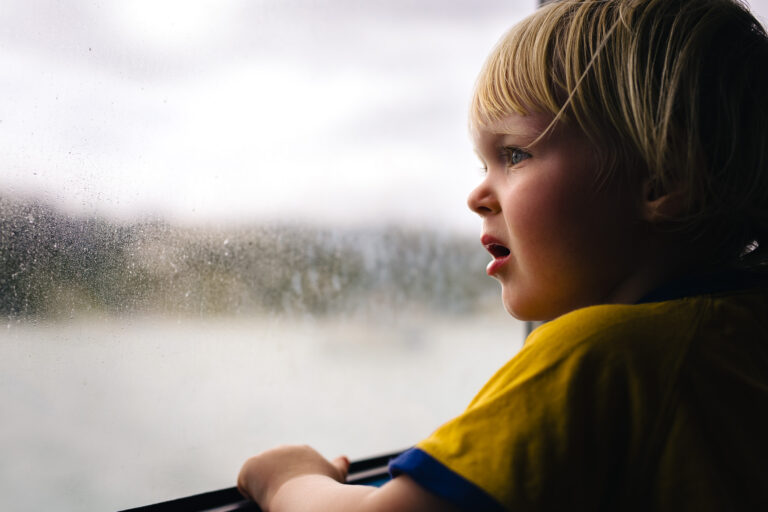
558, 241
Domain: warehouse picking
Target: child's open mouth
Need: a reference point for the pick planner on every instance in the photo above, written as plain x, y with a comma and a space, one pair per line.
499, 251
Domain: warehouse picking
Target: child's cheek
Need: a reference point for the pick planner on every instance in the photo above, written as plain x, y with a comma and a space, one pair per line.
541, 212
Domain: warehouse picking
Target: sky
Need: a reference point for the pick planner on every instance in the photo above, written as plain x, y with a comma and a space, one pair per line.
200, 111
197, 111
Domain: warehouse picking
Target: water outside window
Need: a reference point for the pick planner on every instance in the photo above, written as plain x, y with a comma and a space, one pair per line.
226, 225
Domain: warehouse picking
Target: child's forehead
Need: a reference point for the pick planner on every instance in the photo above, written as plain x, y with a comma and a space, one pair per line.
530, 125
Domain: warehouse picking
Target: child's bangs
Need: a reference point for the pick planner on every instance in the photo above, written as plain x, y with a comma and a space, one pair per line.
518, 77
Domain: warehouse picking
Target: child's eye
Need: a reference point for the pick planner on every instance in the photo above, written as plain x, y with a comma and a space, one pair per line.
513, 155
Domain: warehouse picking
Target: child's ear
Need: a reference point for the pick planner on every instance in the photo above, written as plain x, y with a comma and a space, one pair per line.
660, 204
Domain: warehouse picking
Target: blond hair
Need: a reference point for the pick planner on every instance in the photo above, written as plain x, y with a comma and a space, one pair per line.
675, 90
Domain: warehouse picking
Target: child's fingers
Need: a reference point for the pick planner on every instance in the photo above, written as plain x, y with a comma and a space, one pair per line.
342, 464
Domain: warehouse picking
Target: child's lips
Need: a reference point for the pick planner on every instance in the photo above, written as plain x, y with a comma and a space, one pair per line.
498, 250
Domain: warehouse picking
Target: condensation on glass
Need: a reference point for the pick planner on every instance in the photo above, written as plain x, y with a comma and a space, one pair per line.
145, 353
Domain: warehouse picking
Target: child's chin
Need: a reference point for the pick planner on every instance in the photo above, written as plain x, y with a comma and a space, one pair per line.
521, 309
513, 306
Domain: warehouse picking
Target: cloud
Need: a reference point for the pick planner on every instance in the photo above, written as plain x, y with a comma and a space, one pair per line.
242, 108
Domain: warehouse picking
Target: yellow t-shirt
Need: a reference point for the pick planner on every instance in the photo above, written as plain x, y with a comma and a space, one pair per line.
656, 406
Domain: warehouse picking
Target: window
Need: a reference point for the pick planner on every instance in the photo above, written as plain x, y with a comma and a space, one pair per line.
228, 225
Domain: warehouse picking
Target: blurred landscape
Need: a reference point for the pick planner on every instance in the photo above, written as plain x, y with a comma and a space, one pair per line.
144, 361
55, 265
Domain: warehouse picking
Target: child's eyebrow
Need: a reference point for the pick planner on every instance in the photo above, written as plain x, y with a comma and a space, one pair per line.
510, 131
527, 135
529, 131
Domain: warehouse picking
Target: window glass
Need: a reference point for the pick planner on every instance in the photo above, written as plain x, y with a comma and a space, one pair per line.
226, 225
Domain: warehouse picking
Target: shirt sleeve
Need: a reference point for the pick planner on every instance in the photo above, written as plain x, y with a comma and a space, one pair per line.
435, 477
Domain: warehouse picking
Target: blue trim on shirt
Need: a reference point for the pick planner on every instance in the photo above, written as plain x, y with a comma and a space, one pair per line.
441, 481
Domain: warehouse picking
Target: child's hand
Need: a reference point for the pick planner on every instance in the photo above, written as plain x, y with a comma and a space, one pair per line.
261, 476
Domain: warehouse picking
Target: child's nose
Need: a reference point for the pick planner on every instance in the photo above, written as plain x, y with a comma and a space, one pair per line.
482, 200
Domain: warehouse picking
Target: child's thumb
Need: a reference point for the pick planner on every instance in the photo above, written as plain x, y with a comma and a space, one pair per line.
342, 464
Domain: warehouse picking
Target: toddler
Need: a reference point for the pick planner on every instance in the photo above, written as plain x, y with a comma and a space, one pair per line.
625, 202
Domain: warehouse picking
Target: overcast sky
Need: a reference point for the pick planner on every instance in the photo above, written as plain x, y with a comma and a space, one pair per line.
342, 111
